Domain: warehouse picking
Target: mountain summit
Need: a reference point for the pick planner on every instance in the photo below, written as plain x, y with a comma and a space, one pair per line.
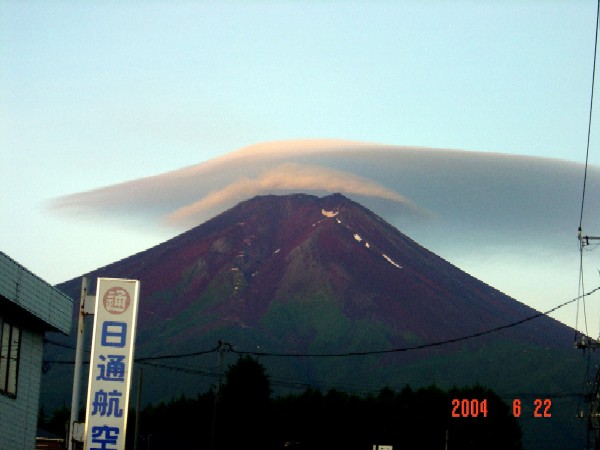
328, 294
312, 263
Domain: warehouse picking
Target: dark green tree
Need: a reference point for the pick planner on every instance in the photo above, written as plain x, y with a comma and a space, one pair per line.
57, 423
247, 417
244, 408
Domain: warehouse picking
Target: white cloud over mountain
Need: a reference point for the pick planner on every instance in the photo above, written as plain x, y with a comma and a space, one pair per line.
287, 177
483, 194
509, 220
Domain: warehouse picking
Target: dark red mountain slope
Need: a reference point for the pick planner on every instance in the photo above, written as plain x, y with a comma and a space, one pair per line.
273, 251
299, 274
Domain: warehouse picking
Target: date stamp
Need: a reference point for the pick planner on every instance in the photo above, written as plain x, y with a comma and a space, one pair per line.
462, 408
540, 408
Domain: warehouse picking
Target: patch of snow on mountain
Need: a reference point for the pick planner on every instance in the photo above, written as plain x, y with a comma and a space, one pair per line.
391, 261
329, 213
277, 251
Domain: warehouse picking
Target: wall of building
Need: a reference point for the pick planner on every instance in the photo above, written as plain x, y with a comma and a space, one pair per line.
32, 294
18, 423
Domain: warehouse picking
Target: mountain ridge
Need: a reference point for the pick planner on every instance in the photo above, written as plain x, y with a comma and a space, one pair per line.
306, 275
313, 236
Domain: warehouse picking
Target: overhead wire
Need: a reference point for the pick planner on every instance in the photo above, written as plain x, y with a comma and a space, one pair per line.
180, 355
581, 287
421, 346
362, 353
589, 133
583, 241
190, 370
144, 359
148, 359
154, 361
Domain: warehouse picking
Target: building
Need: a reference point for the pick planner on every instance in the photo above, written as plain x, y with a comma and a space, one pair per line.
28, 308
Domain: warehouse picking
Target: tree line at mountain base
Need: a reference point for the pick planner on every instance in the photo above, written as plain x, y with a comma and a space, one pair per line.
244, 415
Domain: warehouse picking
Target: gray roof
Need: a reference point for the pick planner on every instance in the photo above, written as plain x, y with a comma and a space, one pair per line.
32, 294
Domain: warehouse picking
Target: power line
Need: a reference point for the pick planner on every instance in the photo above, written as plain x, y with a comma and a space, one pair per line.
60, 344
587, 152
422, 346
148, 359
180, 355
585, 240
296, 384
142, 360
203, 372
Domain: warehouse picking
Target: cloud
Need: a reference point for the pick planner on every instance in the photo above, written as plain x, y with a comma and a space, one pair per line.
289, 177
509, 220
166, 196
477, 197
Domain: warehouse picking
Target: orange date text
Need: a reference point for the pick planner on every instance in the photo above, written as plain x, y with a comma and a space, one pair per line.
469, 407
541, 408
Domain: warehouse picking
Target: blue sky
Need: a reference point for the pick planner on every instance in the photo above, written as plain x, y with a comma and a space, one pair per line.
93, 94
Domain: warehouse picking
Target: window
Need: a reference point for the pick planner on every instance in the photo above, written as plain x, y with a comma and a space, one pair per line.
10, 343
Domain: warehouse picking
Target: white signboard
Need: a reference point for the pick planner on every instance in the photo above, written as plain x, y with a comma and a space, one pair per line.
111, 363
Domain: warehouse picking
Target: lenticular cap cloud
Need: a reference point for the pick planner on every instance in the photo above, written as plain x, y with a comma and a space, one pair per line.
476, 197
289, 177
509, 220
172, 194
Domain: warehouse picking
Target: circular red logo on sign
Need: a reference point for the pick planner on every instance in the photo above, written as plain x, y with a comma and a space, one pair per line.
116, 300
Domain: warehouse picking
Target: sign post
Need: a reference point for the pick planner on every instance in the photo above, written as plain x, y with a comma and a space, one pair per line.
111, 363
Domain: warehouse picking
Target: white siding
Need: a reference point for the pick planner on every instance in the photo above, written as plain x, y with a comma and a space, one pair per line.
18, 421
34, 295
29, 297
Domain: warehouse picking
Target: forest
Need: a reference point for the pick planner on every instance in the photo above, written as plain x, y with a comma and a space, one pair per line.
243, 413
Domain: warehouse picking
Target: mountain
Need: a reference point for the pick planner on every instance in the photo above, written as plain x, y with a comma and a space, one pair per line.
359, 303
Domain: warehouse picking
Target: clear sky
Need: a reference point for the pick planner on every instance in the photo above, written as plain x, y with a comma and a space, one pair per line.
97, 93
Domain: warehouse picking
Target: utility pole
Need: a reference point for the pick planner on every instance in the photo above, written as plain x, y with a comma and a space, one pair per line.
138, 405
86, 308
585, 240
78, 363
221, 348
593, 397
586, 342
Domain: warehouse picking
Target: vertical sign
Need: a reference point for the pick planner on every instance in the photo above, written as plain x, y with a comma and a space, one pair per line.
111, 363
